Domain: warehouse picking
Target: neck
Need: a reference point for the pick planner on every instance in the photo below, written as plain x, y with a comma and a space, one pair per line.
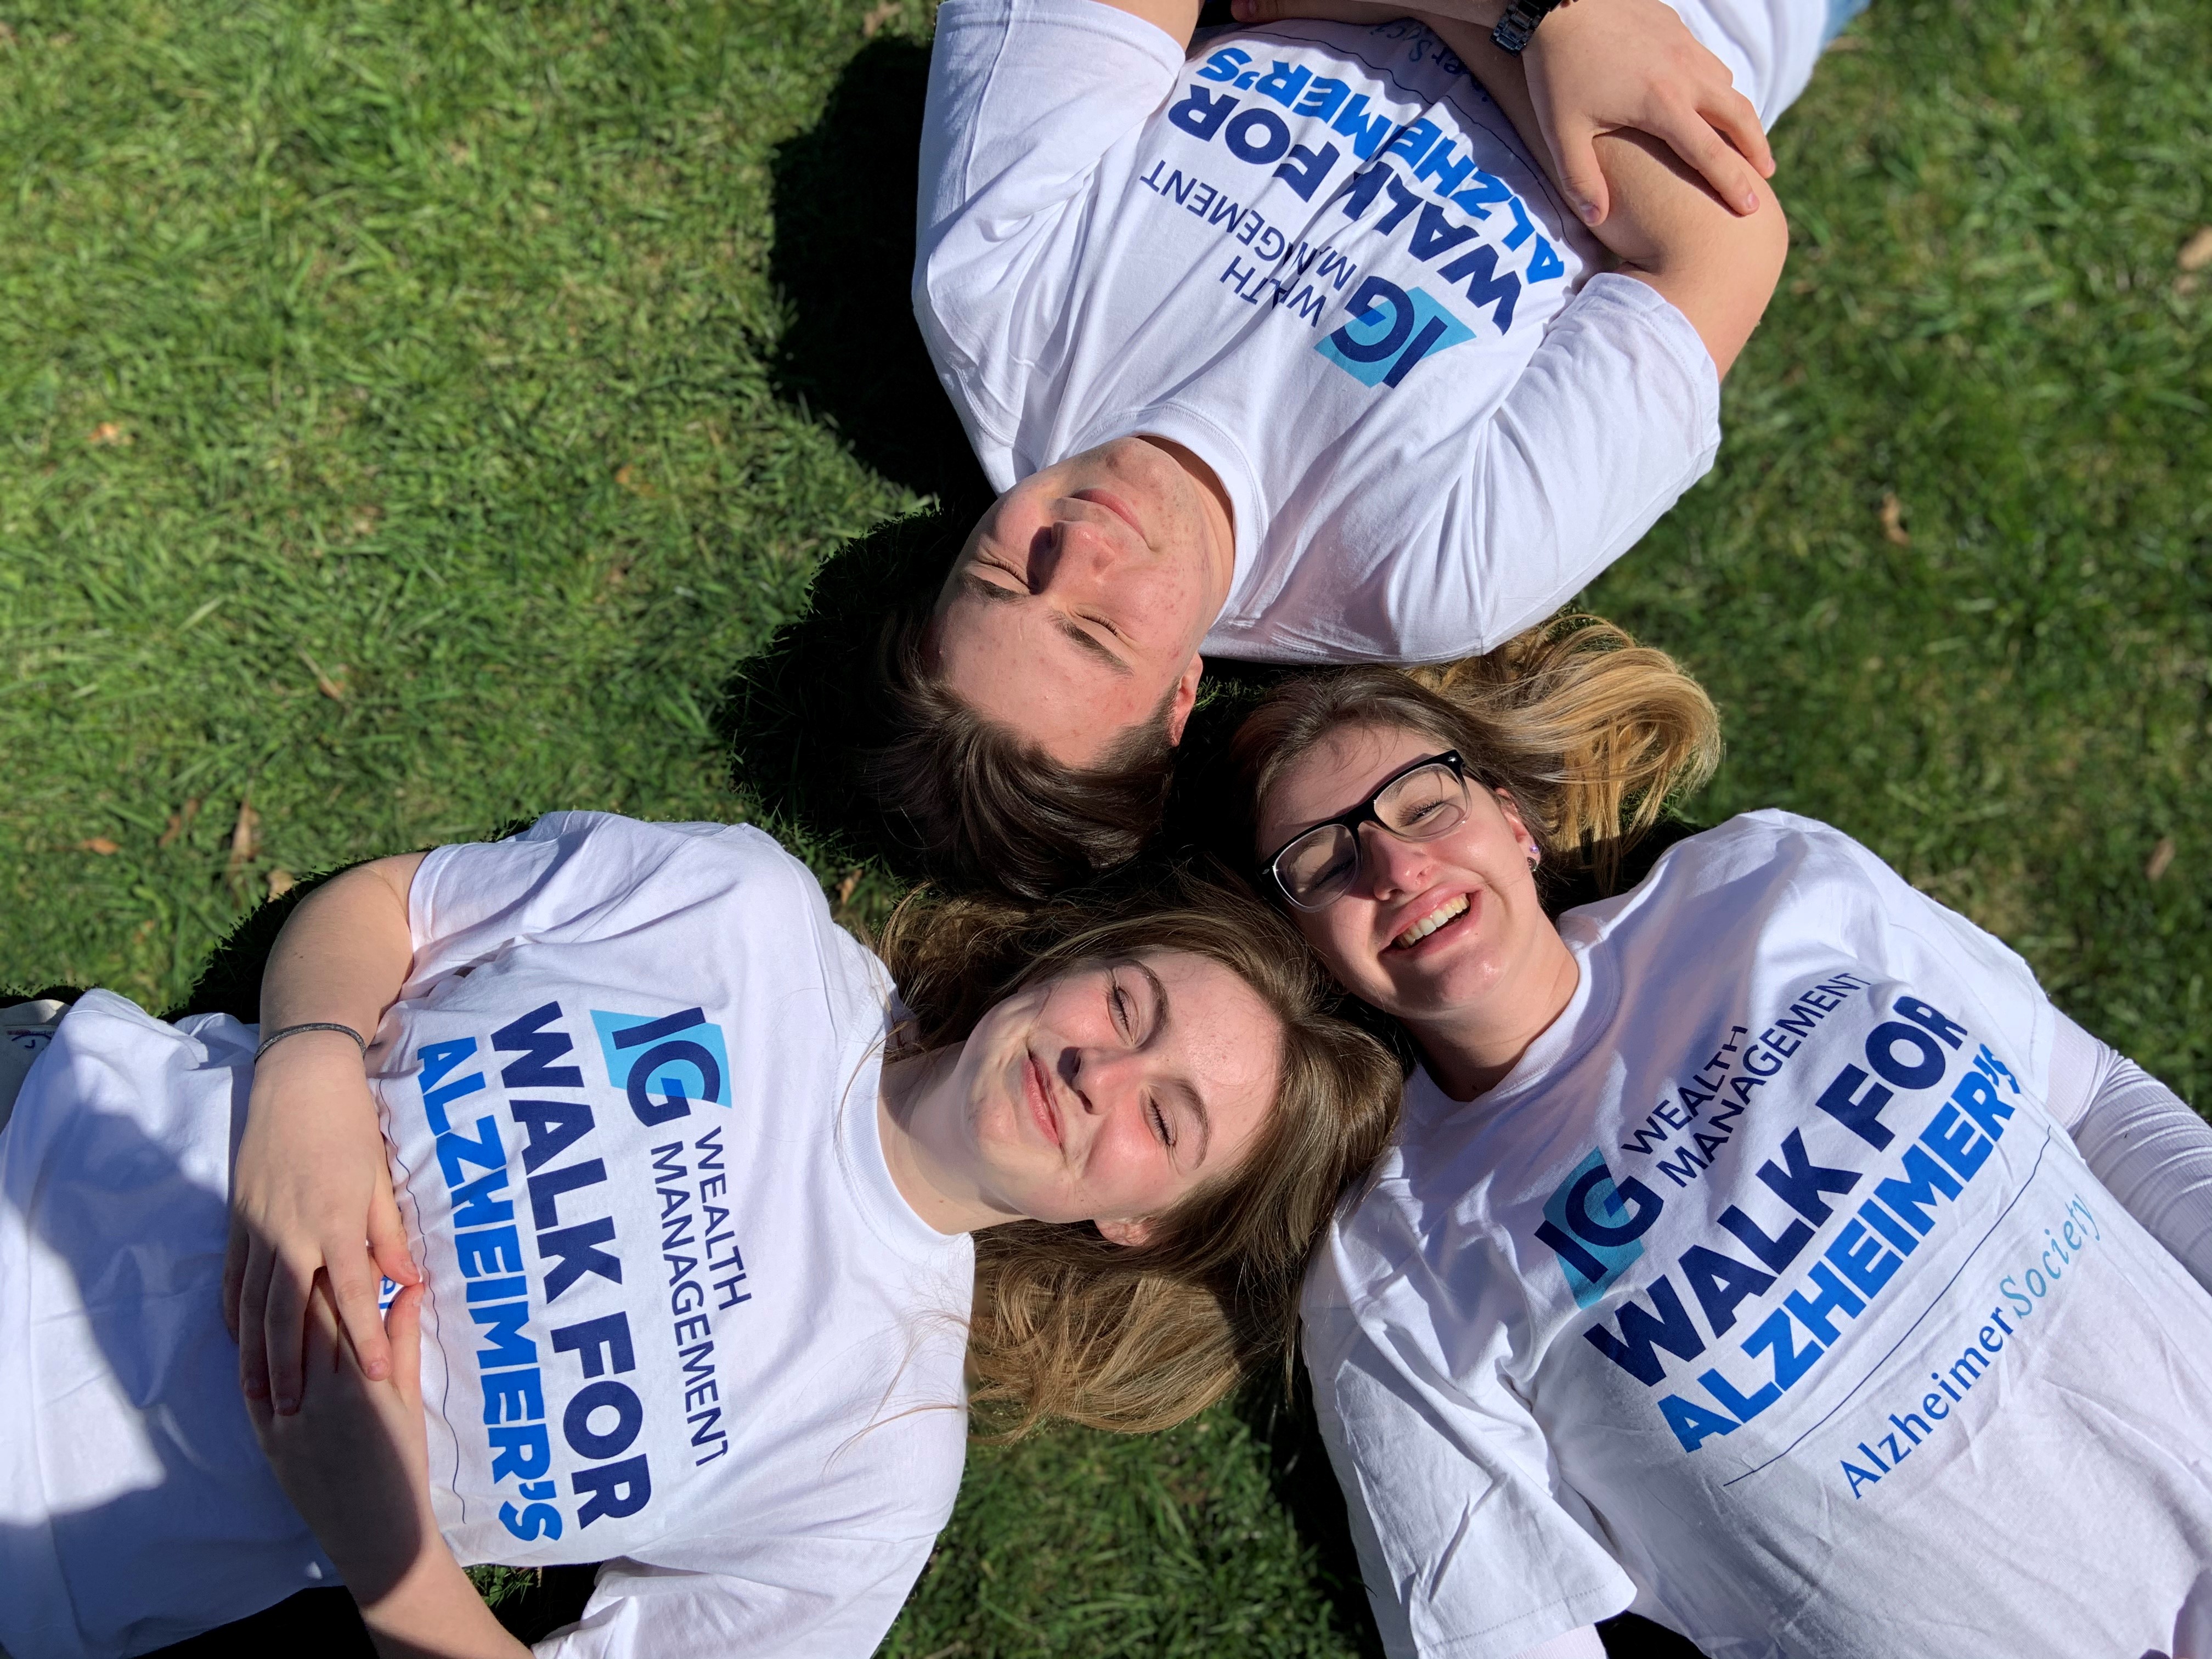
918, 1114
1219, 517
1469, 1051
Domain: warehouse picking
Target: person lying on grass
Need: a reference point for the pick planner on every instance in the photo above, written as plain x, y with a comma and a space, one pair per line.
1761, 1250
697, 1220
1293, 351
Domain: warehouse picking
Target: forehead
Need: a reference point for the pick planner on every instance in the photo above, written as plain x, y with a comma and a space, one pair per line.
1336, 775
1008, 661
1223, 1029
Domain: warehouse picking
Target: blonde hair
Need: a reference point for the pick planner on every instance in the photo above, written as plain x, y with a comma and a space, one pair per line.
1137, 1338
1590, 734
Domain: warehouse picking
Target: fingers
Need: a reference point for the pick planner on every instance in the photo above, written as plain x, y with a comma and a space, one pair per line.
1723, 167
402, 1327
253, 1321
285, 1318
353, 1289
1580, 176
1732, 115
235, 1250
387, 1239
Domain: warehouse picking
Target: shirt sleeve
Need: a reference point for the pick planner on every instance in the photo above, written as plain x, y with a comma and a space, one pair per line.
1617, 415
2152, 1153
578, 876
1465, 1545
1026, 98
818, 1597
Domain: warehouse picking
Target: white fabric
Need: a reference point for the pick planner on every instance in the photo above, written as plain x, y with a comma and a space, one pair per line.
2152, 1152
1106, 247
678, 1318
1940, 1395
1583, 1642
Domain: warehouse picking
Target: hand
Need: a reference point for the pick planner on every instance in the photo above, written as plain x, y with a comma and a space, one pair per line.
311, 1195
353, 1457
1598, 66
354, 1460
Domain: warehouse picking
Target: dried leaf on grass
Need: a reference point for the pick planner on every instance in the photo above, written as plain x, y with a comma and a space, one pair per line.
178, 823
246, 836
108, 435
332, 685
282, 882
877, 16
98, 844
1892, 521
2196, 251
2161, 858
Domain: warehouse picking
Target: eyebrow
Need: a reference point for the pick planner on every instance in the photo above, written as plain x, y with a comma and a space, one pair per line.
999, 593
1190, 1095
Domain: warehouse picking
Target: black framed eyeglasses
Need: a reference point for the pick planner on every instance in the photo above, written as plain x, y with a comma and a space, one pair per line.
1417, 802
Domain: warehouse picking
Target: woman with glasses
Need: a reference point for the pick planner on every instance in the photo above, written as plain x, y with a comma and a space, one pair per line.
1762, 1250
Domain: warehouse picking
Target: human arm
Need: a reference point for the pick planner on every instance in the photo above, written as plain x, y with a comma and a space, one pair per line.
2152, 1153
313, 1190
1667, 226
354, 1461
1596, 67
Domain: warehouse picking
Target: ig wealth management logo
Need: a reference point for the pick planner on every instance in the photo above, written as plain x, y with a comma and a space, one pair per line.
1390, 329
664, 1062
1596, 1225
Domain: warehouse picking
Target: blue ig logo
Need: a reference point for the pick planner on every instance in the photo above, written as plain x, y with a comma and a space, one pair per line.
665, 1064
1596, 1225
1390, 331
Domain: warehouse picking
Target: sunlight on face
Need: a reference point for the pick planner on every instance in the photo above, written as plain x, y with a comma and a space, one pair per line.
1427, 927
1110, 1091
1077, 605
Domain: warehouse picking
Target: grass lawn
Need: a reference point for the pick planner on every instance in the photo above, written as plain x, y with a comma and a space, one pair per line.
412, 414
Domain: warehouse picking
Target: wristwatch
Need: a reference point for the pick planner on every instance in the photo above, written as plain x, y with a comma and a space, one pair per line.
1519, 24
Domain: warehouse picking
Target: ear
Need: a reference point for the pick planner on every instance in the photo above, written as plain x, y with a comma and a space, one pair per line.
1184, 698
1506, 804
1128, 1234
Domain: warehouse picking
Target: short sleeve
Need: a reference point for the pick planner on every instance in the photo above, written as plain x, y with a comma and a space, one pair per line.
1026, 99
2001, 978
1466, 1544
815, 1597
580, 876
1615, 415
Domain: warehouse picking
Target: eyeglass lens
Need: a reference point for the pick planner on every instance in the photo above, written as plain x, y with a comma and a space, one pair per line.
1427, 802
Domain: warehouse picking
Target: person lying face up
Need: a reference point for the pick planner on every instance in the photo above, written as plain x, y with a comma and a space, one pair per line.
1761, 1245
1293, 349
694, 1221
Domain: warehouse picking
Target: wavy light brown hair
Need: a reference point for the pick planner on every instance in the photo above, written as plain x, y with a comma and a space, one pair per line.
1137, 1338
1590, 734
986, 808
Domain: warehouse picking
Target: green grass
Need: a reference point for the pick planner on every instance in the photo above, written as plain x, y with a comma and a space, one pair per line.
511, 370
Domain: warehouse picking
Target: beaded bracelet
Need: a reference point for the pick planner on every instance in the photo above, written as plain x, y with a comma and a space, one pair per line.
275, 1037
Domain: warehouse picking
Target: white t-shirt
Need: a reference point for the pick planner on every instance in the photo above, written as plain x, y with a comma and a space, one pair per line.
1318, 255
679, 1318
1766, 1296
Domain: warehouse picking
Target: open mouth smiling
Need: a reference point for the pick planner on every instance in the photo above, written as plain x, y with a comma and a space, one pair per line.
1444, 914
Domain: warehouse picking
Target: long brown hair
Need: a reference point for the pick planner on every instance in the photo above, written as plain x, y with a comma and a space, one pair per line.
1137, 1338
1590, 734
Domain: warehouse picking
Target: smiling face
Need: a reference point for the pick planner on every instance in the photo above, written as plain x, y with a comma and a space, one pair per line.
1430, 931
1109, 1092
1076, 609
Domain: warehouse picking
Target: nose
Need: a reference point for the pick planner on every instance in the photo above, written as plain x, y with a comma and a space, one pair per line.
1100, 1078
1389, 867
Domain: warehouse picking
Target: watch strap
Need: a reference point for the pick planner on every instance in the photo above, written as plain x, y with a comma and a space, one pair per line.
1518, 26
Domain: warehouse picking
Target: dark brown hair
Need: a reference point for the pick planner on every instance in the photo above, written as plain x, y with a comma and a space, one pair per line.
1590, 732
1137, 1338
985, 808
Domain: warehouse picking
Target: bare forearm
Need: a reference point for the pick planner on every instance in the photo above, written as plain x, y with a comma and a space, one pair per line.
434, 1613
345, 951
1175, 18
1667, 228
